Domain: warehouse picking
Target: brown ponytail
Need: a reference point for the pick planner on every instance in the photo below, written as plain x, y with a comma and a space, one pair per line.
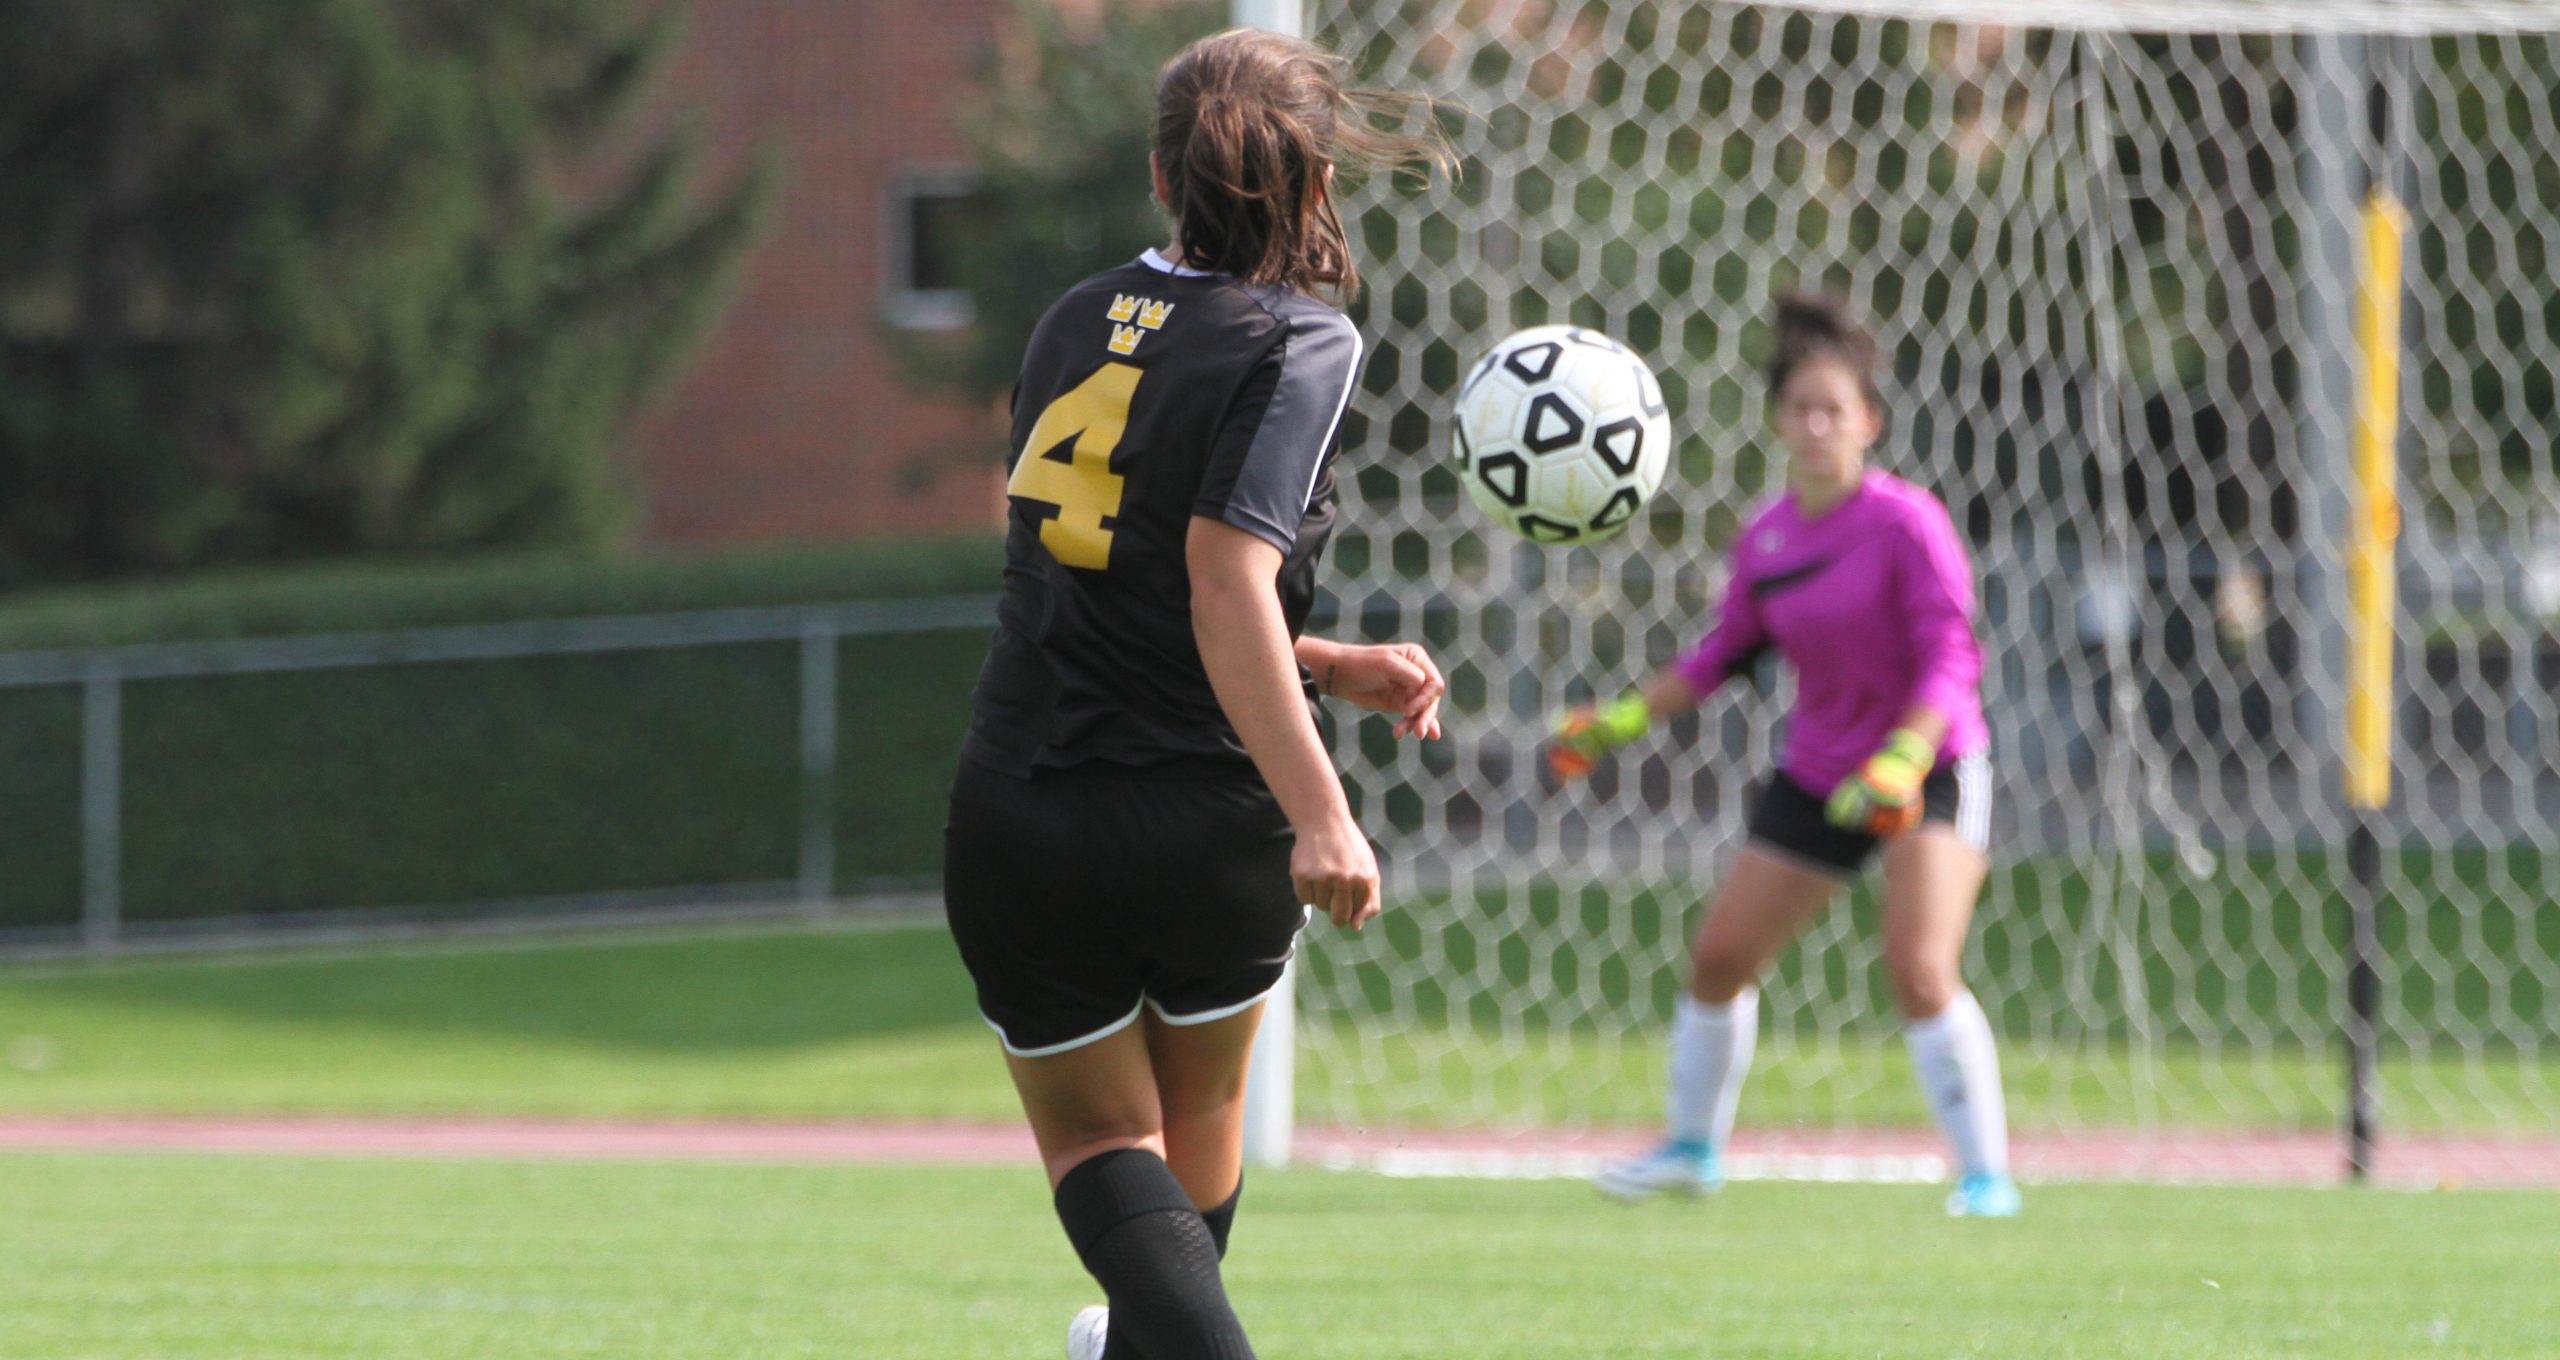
1814, 327
1248, 126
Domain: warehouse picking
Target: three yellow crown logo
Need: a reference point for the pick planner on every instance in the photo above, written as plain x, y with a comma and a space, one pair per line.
1148, 313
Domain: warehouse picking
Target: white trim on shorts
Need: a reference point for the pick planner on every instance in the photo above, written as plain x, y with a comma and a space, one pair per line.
1079, 1041
1204, 1017
1147, 1003
1973, 800
1222, 1012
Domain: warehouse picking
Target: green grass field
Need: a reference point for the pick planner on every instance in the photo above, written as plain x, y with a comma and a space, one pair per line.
152, 1257
840, 1021
110, 1256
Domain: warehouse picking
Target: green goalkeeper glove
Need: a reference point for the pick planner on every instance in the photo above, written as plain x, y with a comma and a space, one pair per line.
1584, 734
1882, 797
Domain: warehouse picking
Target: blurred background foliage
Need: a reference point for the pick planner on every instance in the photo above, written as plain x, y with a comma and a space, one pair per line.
287, 279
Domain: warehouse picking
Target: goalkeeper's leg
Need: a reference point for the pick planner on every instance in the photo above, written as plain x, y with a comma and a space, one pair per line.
1932, 877
1764, 901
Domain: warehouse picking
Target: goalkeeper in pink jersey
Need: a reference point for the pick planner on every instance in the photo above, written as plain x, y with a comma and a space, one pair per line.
1858, 579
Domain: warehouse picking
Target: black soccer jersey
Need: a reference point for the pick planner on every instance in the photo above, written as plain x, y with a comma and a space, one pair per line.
1149, 395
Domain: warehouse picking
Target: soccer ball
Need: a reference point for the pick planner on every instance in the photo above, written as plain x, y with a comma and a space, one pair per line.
1561, 434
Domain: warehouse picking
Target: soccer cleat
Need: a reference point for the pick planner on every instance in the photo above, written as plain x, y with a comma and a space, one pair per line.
1982, 1195
1673, 1169
1086, 1334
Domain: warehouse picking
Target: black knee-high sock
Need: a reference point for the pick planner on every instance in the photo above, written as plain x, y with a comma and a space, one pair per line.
1157, 1261
1116, 1345
1221, 1219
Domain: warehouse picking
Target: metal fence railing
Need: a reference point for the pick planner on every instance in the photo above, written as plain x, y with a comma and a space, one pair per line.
102, 677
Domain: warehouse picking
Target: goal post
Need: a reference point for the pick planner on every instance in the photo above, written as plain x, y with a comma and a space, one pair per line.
1276, 16
2372, 580
1271, 1076
2114, 255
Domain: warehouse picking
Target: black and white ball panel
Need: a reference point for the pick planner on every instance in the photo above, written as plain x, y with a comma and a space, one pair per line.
1561, 434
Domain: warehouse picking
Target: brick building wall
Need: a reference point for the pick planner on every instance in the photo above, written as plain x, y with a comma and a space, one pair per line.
791, 423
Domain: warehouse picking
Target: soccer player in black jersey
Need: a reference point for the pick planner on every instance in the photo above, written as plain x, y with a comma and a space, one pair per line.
1144, 812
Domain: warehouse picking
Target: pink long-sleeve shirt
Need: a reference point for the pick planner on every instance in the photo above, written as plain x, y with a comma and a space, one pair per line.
1873, 605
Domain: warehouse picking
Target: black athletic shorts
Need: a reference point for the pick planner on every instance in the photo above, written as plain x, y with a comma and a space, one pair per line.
1787, 819
1080, 896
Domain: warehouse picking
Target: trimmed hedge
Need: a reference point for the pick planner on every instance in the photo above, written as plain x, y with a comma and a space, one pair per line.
500, 588
462, 782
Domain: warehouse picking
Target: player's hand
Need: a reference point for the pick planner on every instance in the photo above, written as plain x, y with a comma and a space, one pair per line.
1336, 872
1397, 678
1882, 797
1583, 734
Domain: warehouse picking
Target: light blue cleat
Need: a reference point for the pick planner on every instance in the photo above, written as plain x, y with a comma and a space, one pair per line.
1675, 1168
1982, 1195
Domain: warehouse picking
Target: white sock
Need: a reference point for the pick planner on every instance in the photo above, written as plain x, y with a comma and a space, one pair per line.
1710, 1054
1959, 1073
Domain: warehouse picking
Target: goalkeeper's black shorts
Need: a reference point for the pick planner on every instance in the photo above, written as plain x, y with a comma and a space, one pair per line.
1787, 819
1080, 897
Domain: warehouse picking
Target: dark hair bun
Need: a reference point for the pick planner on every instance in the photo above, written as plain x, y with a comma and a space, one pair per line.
1812, 326
1808, 320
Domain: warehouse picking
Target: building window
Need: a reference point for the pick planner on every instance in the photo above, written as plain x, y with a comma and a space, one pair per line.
920, 279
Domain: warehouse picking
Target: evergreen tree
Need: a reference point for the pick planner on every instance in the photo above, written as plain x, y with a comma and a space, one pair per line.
294, 278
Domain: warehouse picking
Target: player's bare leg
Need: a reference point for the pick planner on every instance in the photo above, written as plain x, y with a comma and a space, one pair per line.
1090, 1100
1099, 1118
1763, 903
1200, 1078
1931, 879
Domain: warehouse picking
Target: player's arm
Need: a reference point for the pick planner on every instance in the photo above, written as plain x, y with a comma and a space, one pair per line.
1933, 594
1395, 677
1253, 667
1668, 693
1581, 735
1934, 588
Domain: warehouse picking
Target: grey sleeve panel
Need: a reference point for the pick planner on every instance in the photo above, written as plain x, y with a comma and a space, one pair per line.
1261, 485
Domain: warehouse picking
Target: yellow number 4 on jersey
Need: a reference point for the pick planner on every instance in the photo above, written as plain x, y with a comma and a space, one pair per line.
1094, 414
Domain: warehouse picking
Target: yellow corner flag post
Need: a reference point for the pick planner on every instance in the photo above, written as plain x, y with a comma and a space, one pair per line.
2372, 591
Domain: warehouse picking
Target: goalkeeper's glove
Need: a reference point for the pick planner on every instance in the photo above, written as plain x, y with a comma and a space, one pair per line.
1582, 735
1882, 797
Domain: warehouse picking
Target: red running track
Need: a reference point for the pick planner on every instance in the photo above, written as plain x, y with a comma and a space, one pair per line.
2298, 1159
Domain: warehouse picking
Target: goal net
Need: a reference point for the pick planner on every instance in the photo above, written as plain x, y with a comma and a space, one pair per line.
2112, 255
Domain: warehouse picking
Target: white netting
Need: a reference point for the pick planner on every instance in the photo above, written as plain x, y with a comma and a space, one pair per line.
2222, 16
2113, 274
